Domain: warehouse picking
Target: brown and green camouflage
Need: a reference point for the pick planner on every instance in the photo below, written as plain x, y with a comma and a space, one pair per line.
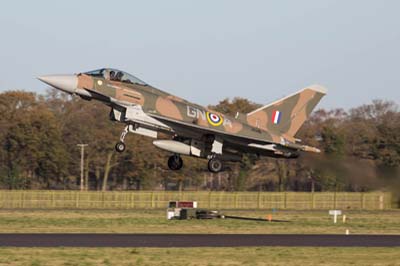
257, 125
195, 130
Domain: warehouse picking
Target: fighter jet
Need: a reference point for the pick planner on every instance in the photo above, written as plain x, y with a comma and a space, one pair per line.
194, 130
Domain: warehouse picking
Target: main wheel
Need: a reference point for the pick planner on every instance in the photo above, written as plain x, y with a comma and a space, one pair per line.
175, 162
214, 165
120, 146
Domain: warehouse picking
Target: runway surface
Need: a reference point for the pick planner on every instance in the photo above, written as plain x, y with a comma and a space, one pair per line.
195, 240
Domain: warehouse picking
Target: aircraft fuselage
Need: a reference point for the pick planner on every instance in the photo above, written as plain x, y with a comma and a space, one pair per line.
195, 130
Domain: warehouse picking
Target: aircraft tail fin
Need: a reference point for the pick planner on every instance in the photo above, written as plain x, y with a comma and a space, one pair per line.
288, 114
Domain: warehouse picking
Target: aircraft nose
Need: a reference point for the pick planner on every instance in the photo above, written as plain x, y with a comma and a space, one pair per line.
67, 83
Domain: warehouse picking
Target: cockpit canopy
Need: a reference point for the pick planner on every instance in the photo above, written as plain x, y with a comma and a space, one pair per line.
115, 75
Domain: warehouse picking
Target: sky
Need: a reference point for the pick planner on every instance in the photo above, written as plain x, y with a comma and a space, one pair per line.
205, 51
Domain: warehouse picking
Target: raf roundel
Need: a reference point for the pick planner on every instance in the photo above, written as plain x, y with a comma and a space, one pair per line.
214, 119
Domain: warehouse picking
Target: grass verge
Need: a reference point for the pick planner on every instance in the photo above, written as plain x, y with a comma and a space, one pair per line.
154, 221
199, 256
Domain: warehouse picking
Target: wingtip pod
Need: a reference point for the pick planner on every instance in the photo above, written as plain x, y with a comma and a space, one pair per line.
318, 88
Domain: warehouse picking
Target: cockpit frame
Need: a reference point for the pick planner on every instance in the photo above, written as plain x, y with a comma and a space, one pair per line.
115, 75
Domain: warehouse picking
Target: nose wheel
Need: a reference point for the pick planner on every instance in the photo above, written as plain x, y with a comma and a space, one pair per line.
120, 146
215, 165
175, 162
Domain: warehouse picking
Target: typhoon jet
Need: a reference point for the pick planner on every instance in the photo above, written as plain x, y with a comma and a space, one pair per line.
194, 130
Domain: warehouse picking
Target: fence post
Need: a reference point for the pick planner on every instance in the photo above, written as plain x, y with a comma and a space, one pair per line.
284, 200
334, 200
152, 199
53, 204
77, 199
312, 200
381, 201
23, 199
235, 200
132, 201
362, 201
209, 199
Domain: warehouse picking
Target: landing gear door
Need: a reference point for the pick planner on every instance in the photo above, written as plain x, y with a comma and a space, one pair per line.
197, 148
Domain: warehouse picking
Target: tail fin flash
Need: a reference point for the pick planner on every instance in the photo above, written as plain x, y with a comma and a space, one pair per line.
287, 114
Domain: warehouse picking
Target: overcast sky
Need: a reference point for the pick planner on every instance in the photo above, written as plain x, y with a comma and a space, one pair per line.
205, 51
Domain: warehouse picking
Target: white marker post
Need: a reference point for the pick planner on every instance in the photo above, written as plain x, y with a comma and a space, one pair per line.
335, 214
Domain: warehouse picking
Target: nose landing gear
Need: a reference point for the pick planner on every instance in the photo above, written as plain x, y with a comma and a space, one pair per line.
120, 146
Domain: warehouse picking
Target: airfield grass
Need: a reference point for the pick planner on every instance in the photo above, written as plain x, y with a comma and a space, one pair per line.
154, 221
199, 256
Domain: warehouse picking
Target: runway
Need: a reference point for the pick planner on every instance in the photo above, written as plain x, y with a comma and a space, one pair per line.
196, 240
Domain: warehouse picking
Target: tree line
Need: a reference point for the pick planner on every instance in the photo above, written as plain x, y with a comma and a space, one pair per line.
39, 136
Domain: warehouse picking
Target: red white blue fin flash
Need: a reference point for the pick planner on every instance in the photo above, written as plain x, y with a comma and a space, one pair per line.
276, 117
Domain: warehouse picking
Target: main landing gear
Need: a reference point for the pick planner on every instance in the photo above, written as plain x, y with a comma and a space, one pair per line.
215, 165
175, 162
120, 146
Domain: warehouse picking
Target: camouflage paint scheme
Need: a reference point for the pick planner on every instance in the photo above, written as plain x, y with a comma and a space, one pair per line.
195, 130
256, 127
